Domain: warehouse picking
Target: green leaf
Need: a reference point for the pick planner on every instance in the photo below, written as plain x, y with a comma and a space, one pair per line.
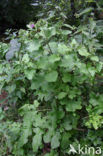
94, 58
66, 32
67, 124
22, 89
83, 68
83, 51
65, 140
48, 135
87, 10
49, 32
25, 58
68, 61
37, 82
29, 74
53, 46
1, 68
62, 95
72, 106
55, 141
94, 101
36, 103
51, 76
52, 153
74, 43
54, 58
62, 48
11, 88
42, 63
66, 77
99, 66
26, 132
37, 140
92, 71
35, 85
34, 46
60, 114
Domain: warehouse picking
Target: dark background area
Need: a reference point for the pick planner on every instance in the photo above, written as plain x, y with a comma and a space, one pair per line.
16, 14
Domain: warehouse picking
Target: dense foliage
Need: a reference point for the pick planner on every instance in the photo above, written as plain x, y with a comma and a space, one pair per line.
52, 75
54, 89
